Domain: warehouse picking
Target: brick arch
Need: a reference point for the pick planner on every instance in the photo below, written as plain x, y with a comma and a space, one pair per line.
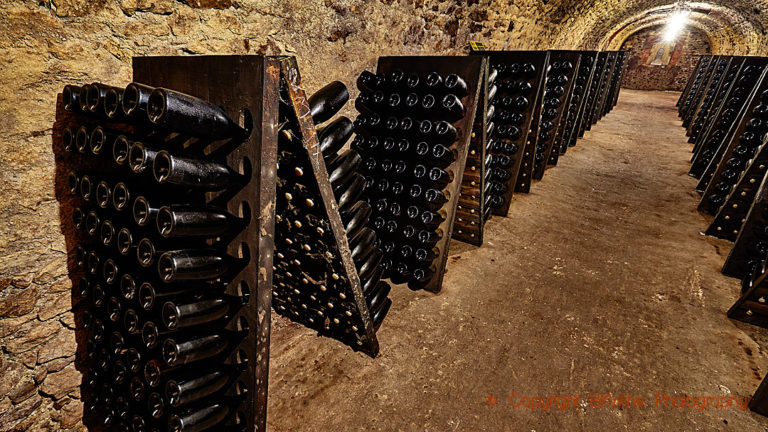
657, 65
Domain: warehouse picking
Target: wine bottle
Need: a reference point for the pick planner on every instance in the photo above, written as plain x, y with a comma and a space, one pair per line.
68, 139
445, 132
412, 101
156, 405
121, 146
435, 199
119, 372
190, 349
493, 73
133, 359
98, 139
327, 101
490, 113
422, 255
182, 221
134, 100
400, 273
432, 220
128, 286
70, 97
151, 334
138, 389
95, 95
112, 103
439, 178
132, 322
341, 168
180, 315
369, 102
149, 296
421, 277
103, 194
369, 263
494, 201
97, 295
429, 239
110, 271
520, 103
78, 218
205, 175
452, 107
377, 295
199, 419
372, 278
369, 81
394, 102
405, 126
141, 158
193, 264
377, 315
92, 222
183, 391
126, 243
456, 85
349, 193
433, 81
189, 115
86, 187
362, 242
333, 136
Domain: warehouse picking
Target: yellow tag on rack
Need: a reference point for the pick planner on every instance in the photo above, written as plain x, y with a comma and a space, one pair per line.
476, 46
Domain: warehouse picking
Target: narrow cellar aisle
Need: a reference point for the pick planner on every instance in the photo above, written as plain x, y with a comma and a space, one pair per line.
597, 282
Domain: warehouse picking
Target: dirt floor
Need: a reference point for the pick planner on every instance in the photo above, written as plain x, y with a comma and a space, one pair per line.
597, 282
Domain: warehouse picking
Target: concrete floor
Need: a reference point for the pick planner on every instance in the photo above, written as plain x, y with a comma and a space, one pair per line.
598, 281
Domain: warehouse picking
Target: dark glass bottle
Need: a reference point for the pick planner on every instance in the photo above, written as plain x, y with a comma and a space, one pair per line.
369, 81
190, 349
190, 115
327, 101
134, 100
177, 315
192, 264
180, 221
200, 418
333, 136
182, 391
204, 175
452, 106
341, 168
456, 85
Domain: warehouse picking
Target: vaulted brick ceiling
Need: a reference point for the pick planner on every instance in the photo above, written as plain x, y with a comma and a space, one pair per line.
733, 26
737, 27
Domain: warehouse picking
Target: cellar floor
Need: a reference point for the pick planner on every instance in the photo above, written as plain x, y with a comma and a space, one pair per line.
597, 282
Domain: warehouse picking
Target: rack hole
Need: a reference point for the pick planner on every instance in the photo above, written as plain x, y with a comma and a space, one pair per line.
245, 167
245, 121
242, 324
244, 291
241, 388
244, 252
244, 211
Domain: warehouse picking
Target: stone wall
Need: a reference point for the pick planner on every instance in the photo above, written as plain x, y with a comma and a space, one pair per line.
45, 44
647, 68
